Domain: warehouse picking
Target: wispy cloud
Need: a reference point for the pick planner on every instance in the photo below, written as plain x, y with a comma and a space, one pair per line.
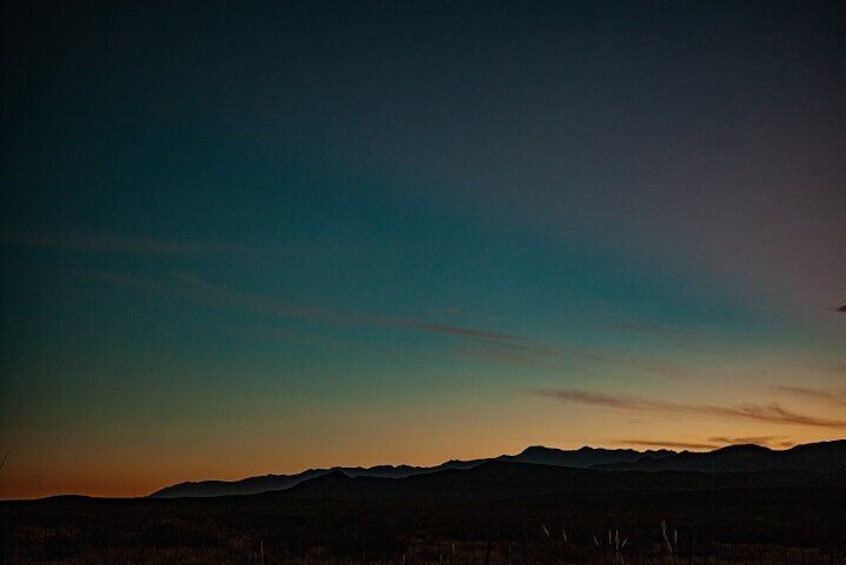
712, 442
771, 414
827, 395
491, 346
502, 354
192, 287
678, 338
647, 328
527, 352
668, 444
496, 347
118, 244
290, 336
413, 324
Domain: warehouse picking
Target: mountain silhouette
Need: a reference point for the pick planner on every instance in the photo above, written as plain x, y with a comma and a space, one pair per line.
502, 480
825, 457
251, 485
488, 480
582, 458
266, 483
532, 471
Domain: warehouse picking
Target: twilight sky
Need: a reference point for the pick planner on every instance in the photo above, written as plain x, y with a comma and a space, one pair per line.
266, 236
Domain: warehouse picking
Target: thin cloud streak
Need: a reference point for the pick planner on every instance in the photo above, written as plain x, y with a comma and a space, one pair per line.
648, 328
713, 442
288, 336
111, 243
506, 356
504, 348
667, 444
412, 324
772, 413
832, 396
224, 297
690, 340
495, 347
526, 352
192, 287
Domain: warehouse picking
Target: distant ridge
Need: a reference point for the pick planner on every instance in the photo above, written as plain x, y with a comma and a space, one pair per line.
503, 480
250, 485
267, 483
823, 457
582, 458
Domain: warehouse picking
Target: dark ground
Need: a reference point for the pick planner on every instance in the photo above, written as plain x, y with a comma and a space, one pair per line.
800, 523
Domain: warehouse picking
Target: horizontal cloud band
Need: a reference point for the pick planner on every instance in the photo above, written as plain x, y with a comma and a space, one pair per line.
772, 413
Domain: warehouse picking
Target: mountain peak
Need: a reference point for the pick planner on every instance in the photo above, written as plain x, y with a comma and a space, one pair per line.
532, 449
739, 448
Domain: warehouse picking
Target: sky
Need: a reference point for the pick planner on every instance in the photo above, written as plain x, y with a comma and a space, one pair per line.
259, 237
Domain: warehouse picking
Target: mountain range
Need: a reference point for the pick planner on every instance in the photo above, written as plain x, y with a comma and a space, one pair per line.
533, 470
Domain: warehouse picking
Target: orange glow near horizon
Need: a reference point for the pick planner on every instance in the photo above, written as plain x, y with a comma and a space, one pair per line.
135, 476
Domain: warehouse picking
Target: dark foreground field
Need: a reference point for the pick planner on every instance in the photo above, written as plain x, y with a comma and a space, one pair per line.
792, 520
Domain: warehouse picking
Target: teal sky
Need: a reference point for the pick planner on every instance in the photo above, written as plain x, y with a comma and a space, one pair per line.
263, 237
